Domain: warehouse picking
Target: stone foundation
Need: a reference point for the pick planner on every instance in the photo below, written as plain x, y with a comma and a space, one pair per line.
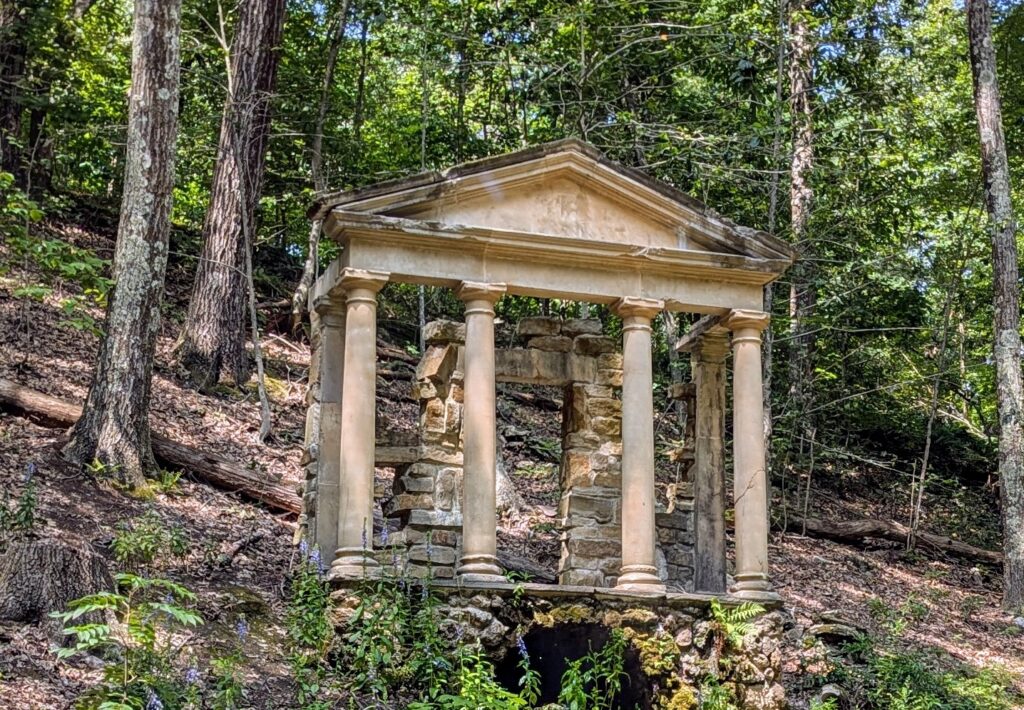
674, 642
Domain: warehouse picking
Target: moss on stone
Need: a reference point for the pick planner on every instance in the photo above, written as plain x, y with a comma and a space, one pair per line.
571, 614
659, 654
684, 698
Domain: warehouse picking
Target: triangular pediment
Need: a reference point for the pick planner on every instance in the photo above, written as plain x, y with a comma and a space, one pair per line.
565, 189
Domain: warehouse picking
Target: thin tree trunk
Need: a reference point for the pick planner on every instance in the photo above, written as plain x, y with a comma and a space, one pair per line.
301, 294
933, 410
803, 290
213, 338
1009, 391
114, 427
768, 337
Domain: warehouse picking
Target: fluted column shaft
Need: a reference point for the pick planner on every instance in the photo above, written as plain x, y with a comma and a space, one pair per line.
479, 561
638, 535
750, 482
353, 557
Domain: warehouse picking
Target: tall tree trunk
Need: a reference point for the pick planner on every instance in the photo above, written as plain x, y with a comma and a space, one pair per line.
114, 427
316, 168
13, 53
803, 289
996, 170
213, 338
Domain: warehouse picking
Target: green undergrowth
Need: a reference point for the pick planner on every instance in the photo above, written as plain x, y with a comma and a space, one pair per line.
886, 671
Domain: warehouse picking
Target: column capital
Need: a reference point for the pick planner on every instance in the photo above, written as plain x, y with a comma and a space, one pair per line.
631, 307
331, 311
480, 291
711, 345
742, 319
353, 279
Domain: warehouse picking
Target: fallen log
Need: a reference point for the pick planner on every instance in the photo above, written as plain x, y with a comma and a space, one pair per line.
855, 531
211, 468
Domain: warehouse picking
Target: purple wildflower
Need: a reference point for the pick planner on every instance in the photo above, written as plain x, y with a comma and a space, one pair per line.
384, 536
242, 628
424, 592
169, 599
153, 701
30, 471
303, 547
430, 547
364, 536
191, 676
316, 560
521, 645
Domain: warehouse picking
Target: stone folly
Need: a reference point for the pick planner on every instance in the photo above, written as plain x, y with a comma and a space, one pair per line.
557, 220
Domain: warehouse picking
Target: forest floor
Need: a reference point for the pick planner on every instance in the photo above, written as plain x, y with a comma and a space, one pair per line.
954, 604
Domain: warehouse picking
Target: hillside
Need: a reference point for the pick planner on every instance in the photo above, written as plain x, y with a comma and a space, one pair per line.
239, 557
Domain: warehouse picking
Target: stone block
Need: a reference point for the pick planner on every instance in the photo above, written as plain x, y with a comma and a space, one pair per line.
452, 416
597, 390
612, 378
594, 345
678, 519
409, 501
432, 417
586, 440
551, 343
443, 332
606, 426
598, 508
539, 325
595, 549
435, 519
444, 454
438, 538
430, 571
530, 366
438, 363
604, 407
609, 361
426, 390
581, 326
414, 484
581, 577
438, 555
448, 489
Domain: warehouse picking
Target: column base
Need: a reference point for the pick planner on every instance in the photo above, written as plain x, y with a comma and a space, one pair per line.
754, 586
353, 563
640, 578
482, 569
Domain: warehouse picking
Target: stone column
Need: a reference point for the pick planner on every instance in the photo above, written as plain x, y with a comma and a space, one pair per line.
638, 536
332, 366
707, 357
354, 557
750, 484
479, 561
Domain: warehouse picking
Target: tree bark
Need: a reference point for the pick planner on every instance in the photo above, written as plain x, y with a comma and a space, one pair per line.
213, 338
40, 576
301, 294
13, 53
114, 427
803, 290
1003, 228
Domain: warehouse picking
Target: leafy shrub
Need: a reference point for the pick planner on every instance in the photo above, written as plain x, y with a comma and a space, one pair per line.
594, 681
141, 615
139, 543
19, 516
